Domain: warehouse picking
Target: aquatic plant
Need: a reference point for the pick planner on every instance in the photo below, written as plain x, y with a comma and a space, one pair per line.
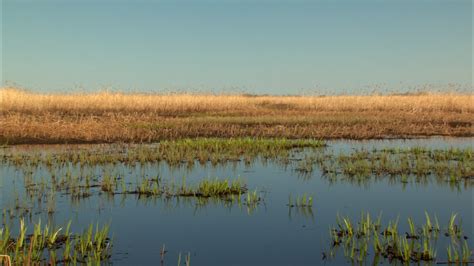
415, 246
252, 198
176, 152
302, 201
41, 246
417, 164
453, 228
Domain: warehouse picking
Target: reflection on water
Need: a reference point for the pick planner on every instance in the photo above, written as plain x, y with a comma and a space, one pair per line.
231, 230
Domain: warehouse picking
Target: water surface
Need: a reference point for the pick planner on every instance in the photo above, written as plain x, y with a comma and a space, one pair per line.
222, 233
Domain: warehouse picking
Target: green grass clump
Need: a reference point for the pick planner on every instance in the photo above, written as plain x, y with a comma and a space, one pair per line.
48, 245
213, 188
252, 198
302, 201
449, 166
368, 236
458, 254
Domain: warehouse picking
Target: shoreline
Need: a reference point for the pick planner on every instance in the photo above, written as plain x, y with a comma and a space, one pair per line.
30, 142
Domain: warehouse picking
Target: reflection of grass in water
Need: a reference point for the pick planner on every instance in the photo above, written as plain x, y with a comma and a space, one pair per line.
419, 244
52, 245
187, 259
459, 255
304, 212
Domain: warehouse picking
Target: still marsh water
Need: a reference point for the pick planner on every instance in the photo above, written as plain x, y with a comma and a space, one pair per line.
225, 230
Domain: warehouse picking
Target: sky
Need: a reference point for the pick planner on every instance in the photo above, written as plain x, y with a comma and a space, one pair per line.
260, 46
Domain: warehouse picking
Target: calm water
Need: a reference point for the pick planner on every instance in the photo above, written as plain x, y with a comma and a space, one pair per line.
271, 234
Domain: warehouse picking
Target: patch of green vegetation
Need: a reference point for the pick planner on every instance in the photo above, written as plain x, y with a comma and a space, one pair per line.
212, 188
407, 165
48, 245
176, 152
369, 236
302, 201
78, 187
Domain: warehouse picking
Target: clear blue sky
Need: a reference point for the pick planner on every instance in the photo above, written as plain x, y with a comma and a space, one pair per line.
257, 46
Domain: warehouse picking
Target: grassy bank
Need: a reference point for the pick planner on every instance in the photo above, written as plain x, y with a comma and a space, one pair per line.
115, 117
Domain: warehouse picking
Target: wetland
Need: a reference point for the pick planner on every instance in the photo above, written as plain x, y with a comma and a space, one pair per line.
276, 201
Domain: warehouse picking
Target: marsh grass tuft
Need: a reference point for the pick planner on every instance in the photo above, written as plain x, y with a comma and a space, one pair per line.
45, 242
417, 245
303, 201
213, 188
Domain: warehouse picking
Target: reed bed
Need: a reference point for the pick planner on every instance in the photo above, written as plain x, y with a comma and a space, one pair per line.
117, 117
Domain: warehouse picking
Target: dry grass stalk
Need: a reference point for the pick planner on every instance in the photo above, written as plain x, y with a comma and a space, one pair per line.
110, 117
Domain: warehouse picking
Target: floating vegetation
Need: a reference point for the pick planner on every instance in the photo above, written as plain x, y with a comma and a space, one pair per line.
51, 245
369, 236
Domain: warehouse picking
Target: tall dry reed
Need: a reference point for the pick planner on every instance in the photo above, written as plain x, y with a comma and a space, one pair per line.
106, 117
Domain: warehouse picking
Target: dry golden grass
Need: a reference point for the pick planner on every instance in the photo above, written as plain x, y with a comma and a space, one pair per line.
111, 117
